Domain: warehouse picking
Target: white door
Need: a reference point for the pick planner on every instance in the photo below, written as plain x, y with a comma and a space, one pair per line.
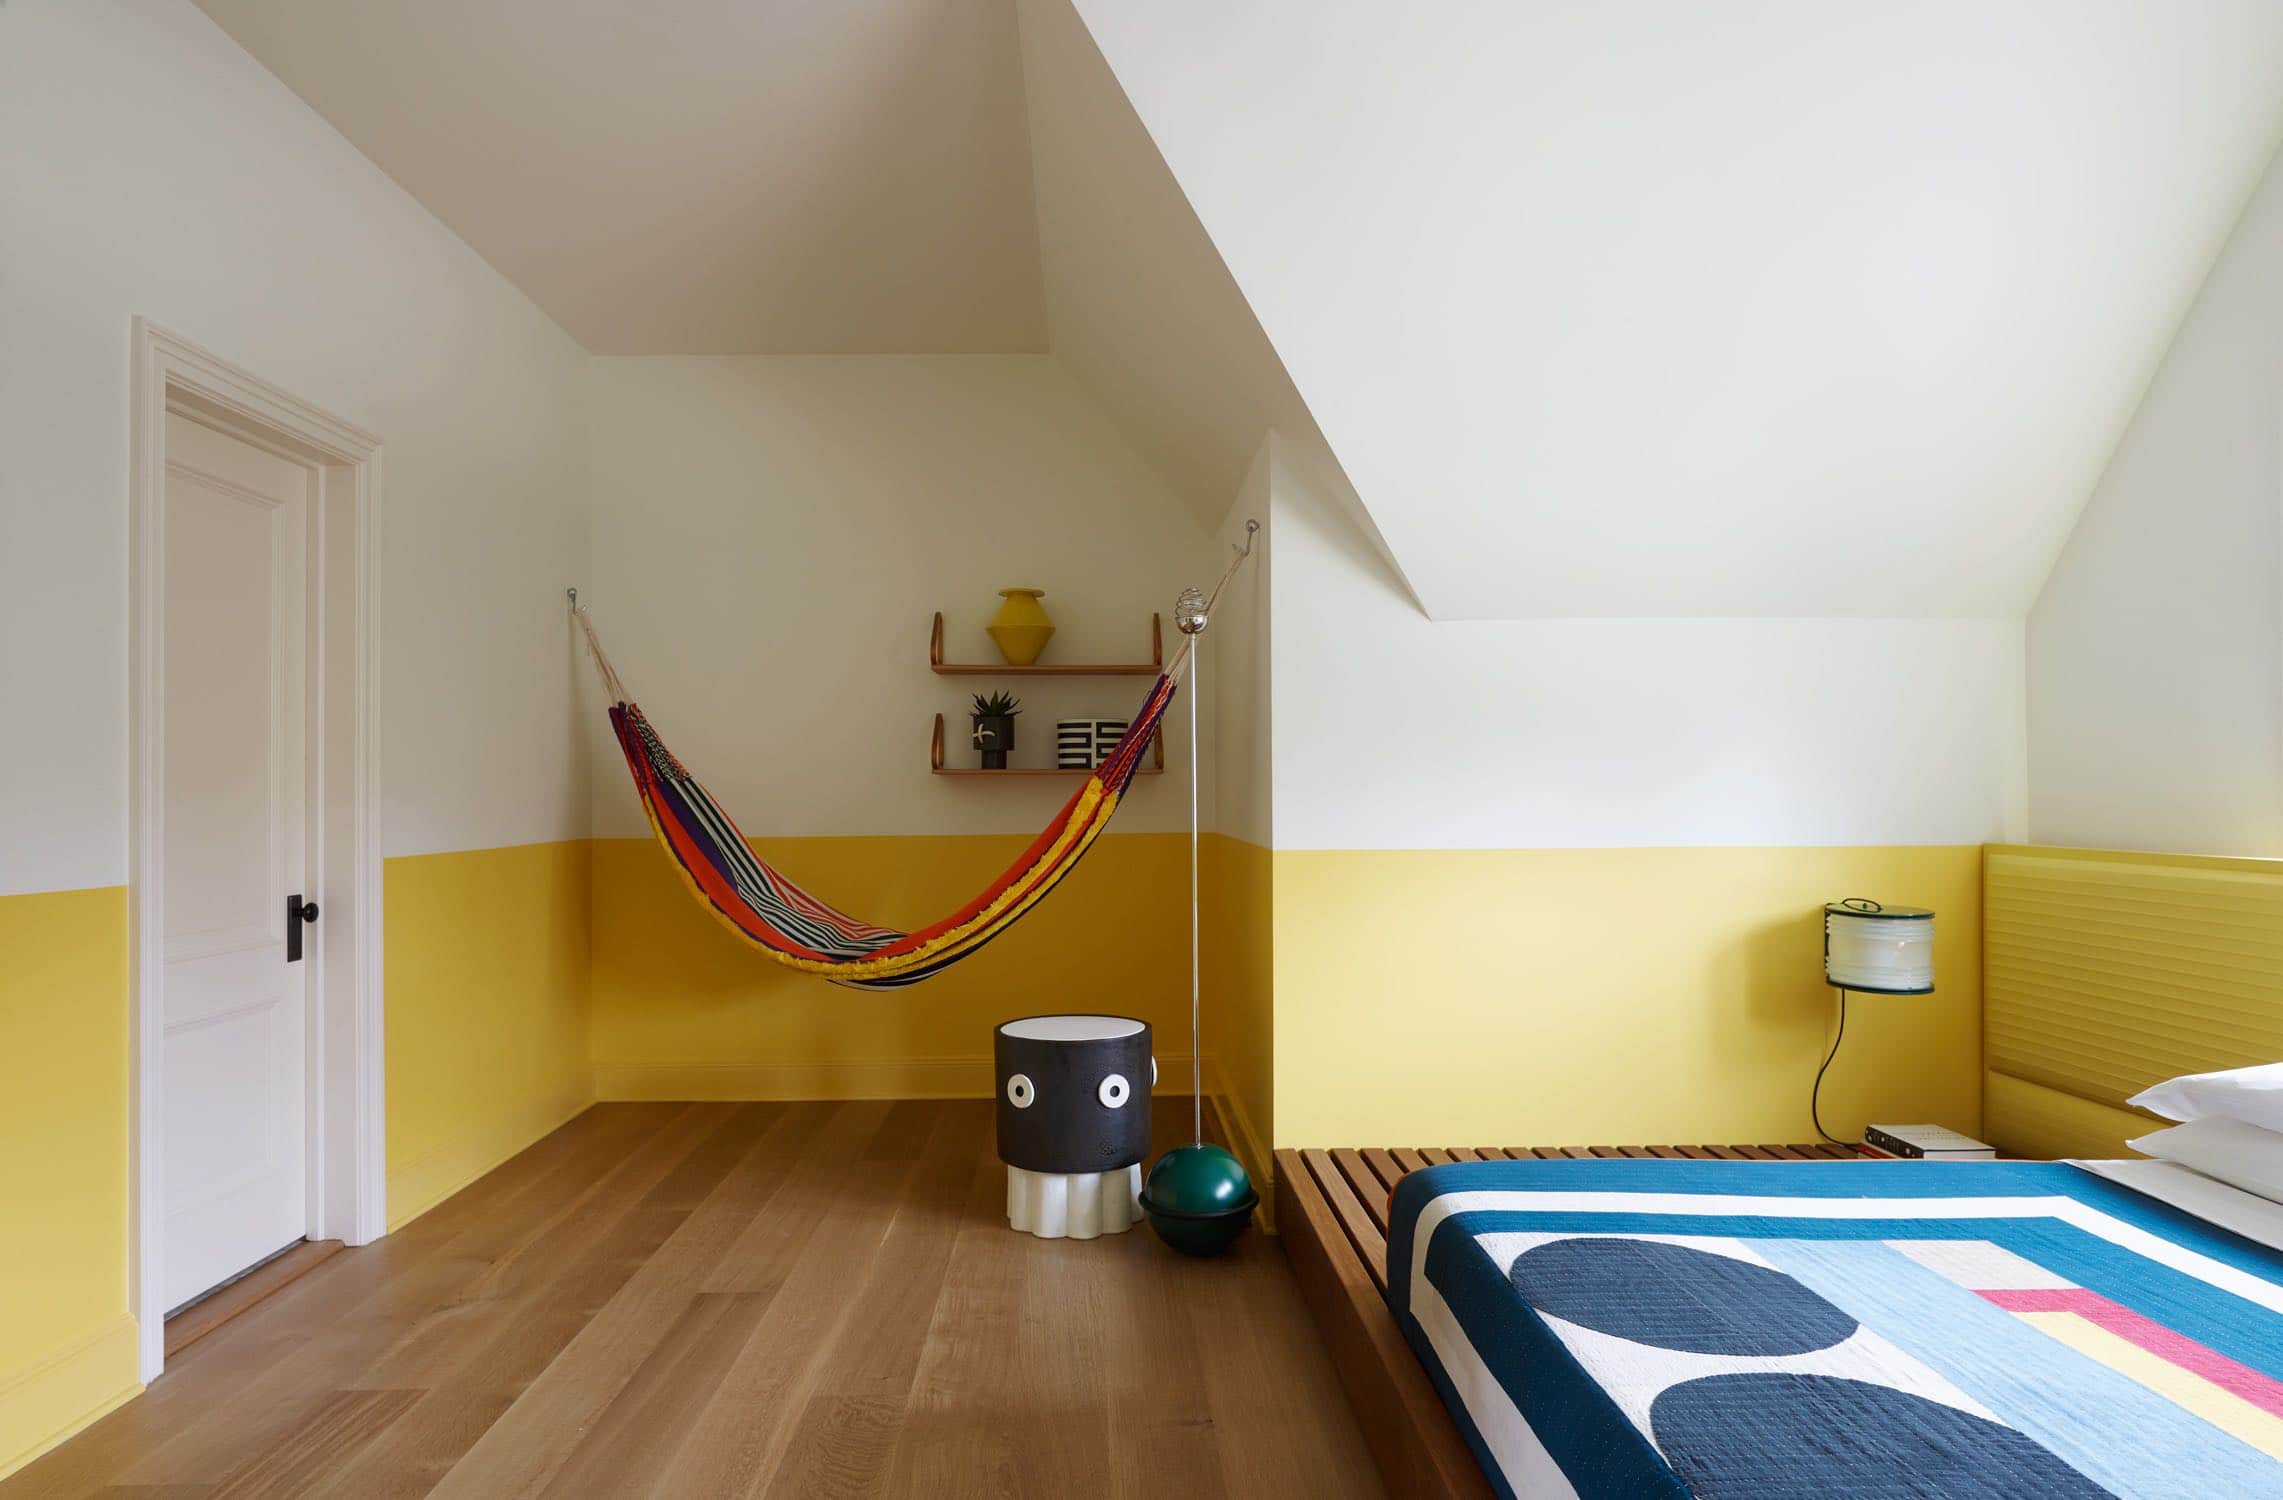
234, 737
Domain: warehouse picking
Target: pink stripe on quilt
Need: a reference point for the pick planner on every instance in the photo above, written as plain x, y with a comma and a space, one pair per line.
2262, 1391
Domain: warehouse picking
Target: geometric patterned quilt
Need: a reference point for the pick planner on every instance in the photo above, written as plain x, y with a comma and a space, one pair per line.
1750, 1331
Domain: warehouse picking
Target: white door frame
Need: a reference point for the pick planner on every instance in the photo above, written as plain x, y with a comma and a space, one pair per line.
347, 1158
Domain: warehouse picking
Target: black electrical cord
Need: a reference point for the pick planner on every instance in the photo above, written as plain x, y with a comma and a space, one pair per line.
1815, 1096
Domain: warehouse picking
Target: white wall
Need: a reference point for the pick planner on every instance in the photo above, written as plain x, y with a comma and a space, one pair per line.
2156, 648
148, 166
772, 535
1394, 731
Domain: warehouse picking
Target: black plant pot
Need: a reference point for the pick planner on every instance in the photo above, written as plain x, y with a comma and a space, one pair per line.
994, 736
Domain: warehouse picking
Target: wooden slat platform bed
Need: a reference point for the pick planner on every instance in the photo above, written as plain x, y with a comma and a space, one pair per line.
1332, 1216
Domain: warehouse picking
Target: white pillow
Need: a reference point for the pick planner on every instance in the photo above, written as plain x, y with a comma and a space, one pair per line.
2252, 1095
2237, 1154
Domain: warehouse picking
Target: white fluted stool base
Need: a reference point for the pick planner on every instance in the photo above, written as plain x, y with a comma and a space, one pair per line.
1074, 1205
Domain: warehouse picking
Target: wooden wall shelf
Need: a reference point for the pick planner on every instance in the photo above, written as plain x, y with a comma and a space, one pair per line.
1154, 667
1156, 766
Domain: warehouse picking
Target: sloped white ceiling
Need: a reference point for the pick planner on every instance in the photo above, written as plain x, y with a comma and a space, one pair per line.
1139, 305
704, 177
1772, 307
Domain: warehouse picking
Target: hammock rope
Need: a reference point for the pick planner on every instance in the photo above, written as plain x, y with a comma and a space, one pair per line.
772, 915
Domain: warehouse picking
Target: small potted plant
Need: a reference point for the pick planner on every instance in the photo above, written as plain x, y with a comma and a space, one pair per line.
995, 728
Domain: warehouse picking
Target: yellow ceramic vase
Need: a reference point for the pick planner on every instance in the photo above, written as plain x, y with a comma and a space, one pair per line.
1021, 627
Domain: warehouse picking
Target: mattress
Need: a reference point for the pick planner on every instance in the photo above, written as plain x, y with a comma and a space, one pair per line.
1619, 1328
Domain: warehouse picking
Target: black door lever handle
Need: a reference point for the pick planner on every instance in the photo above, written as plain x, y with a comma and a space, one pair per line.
297, 911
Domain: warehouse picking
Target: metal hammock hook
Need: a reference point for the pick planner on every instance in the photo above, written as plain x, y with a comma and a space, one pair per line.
1193, 611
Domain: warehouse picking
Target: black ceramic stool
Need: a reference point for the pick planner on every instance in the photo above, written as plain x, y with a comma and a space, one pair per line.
1073, 1122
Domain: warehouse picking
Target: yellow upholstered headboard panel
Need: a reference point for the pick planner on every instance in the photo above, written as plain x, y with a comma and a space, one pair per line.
2103, 973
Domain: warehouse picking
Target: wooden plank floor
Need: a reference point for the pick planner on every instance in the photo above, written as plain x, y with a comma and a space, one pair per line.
745, 1299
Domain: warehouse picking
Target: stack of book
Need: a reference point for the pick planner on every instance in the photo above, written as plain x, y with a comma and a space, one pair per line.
1927, 1142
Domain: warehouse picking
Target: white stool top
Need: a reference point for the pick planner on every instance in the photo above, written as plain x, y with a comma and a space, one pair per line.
1071, 1028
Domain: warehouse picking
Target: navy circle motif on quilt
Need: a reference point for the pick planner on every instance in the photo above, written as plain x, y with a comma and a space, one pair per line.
1774, 1435
1675, 1297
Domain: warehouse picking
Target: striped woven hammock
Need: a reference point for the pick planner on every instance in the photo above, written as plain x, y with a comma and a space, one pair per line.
754, 900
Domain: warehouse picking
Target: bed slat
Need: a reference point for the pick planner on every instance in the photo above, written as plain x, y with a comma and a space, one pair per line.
1368, 1239
1365, 1184
1382, 1162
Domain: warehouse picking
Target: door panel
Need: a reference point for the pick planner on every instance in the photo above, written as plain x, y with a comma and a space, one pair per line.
235, 736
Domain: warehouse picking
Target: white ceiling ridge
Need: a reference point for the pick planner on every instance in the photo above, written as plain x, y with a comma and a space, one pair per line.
1141, 304
2178, 326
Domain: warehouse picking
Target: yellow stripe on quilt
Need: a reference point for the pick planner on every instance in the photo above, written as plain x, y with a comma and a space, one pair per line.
2183, 1388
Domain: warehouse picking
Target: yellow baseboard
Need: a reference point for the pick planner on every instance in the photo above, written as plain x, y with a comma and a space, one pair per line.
44, 1404
1245, 1141
488, 1010
846, 1078
418, 1185
901, 1078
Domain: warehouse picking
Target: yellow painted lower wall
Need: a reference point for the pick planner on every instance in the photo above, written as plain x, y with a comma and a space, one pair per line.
1238, 960
487, 1017
683, 1010
1438, 997
1575, 997
67, 1345
487, 1051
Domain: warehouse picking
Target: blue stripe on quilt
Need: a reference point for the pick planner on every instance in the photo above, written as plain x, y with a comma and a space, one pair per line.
2108, 1426
1842, 1180
2193, 1308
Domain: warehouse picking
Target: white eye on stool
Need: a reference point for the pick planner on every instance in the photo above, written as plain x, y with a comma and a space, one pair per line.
1020, 1093
1114, 1092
